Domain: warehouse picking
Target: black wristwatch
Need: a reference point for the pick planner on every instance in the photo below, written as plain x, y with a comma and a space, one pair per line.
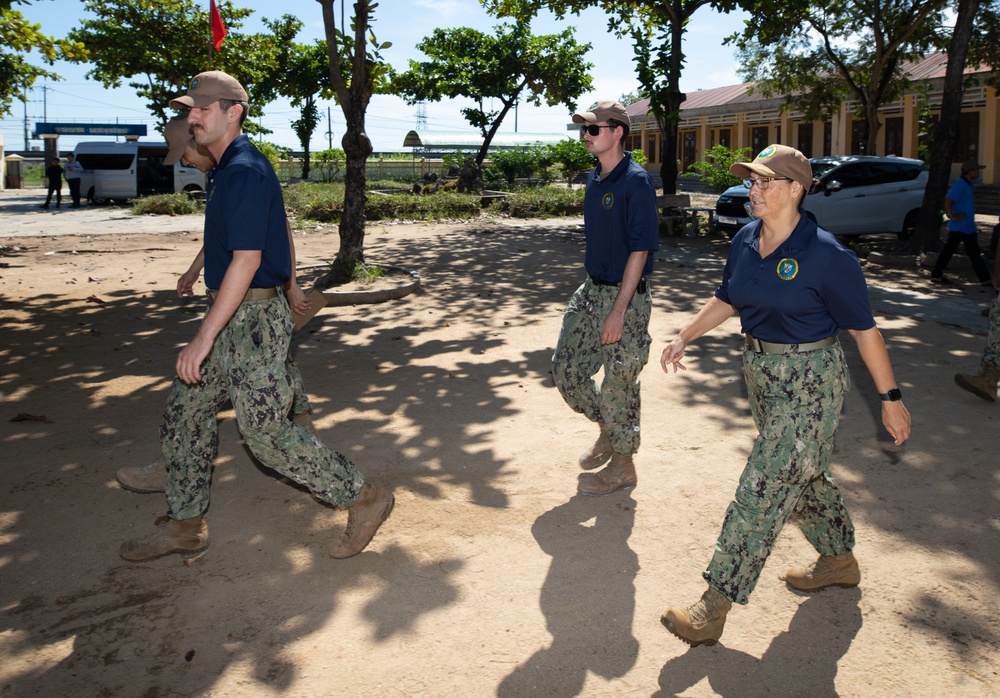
893, 395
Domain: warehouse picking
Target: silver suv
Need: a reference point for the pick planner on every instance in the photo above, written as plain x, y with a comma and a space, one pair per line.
857, 195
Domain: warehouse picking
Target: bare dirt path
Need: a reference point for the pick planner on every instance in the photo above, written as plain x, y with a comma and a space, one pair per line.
492, 577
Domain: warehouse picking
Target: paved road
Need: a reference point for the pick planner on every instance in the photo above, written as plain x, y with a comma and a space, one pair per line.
20, 216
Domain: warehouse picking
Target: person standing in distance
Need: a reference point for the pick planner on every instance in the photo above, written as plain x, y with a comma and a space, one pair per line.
795, 287
239, 351
73, 171
960, 205
606, 324
54, 175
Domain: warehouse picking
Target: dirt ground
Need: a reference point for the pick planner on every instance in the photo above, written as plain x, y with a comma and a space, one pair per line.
492, 576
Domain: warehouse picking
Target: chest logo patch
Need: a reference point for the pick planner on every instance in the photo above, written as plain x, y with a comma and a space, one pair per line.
787, 269
608, 200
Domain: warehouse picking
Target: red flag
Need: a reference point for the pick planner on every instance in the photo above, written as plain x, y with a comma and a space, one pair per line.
218, 28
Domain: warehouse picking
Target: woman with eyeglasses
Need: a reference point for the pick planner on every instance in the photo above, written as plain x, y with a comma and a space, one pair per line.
795, 288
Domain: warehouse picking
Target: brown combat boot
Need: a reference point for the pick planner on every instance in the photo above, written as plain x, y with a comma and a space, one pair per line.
617, 475
826, 571
598, 454
983, 385
144, 479
185, 537
701, 623
372, 507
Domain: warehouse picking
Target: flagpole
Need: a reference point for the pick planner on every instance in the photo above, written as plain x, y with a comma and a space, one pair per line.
211, 33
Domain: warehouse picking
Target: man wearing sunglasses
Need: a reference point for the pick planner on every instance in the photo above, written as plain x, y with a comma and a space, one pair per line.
606, 324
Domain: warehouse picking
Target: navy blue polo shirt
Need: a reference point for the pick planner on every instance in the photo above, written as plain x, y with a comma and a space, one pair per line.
245, 211
810, 288
619, 217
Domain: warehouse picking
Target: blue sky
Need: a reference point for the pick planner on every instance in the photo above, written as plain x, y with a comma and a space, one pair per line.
404, 23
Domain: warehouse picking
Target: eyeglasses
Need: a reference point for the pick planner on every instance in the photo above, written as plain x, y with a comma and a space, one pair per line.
592, 129
763, 182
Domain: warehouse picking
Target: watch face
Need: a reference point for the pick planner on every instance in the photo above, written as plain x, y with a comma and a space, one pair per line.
895, 394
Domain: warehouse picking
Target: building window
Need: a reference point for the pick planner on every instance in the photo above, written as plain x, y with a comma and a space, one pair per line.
652, 152
724, 138
805, 140
827, 138
967, 147
758, 139
689, 149
894, 135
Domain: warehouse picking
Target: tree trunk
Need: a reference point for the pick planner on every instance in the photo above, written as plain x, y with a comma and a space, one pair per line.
357, 148
353, 98
927, 235
668, 144
306, 164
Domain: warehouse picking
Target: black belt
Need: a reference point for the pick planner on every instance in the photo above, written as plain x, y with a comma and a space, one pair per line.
641, 288
253, 294
762, 347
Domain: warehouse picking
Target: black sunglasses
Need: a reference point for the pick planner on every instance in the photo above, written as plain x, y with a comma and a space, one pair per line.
592, 129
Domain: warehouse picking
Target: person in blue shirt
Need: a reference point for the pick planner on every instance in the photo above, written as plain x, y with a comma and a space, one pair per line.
960, 205
240, 348
794, 287
606, 324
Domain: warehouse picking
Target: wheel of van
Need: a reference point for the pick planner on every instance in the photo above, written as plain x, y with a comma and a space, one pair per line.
909, 225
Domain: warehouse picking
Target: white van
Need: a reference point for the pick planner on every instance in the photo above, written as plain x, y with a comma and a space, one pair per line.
119, 171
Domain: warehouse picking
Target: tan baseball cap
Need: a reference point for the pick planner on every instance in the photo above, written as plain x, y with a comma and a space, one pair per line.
777, 161
178, 135
602, 111
208, 87
970, 165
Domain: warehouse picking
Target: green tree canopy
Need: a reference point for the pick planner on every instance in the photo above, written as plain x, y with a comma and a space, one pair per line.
820, 54
300, 72
19, 37
656, 28
159, 45
505, 66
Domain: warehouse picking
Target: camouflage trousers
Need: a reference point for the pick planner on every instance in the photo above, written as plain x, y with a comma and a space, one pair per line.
991, 355
795, 400
247, 365
579, 355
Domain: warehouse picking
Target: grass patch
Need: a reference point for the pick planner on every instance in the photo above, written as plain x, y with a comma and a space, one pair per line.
367, 273
324, 203
540, 202
177, 204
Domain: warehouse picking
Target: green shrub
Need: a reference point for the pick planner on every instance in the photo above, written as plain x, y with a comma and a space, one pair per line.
274, 154
716, 170
571, 156
540, 202
327, 164
325, 203
178, 204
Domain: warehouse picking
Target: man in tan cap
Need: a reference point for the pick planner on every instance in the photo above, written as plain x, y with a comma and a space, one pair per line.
152, 478
239, 351
606, 324
960, 205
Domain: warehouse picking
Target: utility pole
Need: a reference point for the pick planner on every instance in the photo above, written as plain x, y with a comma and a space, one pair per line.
329, 130
24, 100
